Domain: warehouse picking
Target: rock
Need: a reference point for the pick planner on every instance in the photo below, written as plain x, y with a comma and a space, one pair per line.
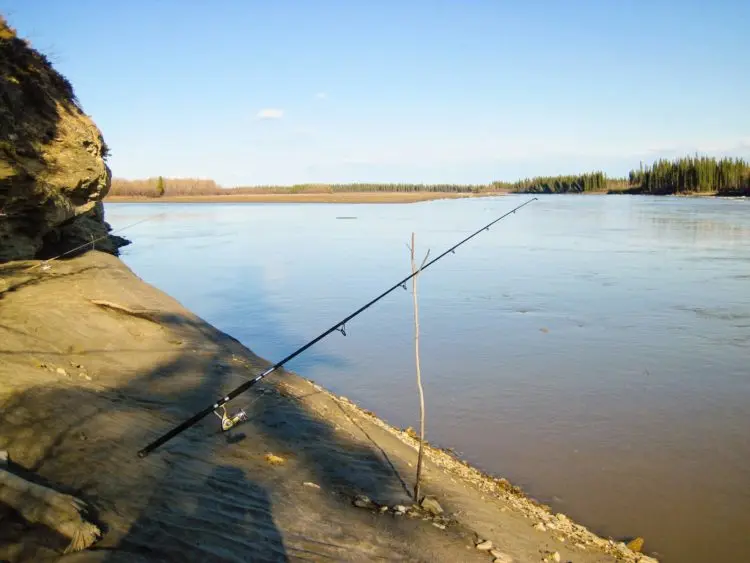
647, 559
53, 174
500, 557
85, 375
61, 371
555, 557
561, 517
363, 501
274, 459
399, 509
541, 527
485, 545
383, 509
635, 545
4, 457
441, 526
311, 485
431, 505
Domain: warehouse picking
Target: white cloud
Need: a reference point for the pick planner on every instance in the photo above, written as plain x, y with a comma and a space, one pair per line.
270, 113
321, 95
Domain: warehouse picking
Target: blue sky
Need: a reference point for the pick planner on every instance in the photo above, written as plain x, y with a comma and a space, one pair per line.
282, 92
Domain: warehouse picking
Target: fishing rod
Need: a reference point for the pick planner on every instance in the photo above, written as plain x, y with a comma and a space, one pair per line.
339, 326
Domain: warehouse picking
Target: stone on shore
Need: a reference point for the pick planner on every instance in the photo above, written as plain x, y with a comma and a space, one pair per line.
635, 544
431, 505
363, 501
485, 545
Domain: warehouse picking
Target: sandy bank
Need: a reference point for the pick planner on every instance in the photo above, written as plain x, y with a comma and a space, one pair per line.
84, 387
355, 197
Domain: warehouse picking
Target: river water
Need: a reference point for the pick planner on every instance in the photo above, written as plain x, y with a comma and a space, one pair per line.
594, 350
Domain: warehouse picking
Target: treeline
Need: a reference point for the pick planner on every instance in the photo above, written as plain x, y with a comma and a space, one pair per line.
160, 186
727, 176
591, 182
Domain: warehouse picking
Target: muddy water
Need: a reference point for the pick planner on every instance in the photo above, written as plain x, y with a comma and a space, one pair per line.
593, 349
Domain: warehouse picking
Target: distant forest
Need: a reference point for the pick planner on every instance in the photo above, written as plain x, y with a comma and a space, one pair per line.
689, 175
591, 182
726, 177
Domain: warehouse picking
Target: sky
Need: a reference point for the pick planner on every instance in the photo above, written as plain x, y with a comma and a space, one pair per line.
256, 93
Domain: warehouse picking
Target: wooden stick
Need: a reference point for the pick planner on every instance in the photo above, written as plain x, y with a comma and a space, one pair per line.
419, 372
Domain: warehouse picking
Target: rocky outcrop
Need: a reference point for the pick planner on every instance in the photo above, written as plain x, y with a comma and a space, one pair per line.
53, 174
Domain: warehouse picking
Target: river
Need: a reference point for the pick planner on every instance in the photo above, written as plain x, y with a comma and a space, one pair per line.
594, 350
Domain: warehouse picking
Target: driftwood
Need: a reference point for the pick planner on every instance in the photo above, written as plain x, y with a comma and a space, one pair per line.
38, 504
147, 314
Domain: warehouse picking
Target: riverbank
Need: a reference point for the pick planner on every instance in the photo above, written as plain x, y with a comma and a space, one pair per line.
339, 197
97, 363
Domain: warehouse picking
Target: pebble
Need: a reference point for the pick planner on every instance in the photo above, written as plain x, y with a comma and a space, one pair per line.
635, 544
556, 557
384, 508
61, 371
362, 501
399, 509
431, 505
500, 557
541, 527
274, 459
485, 545
85, 375
441, 526
312, 485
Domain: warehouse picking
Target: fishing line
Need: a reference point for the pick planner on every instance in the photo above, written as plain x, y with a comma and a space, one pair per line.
44, 264
339, 326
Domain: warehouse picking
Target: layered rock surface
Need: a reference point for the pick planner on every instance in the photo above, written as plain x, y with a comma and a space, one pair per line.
53, 175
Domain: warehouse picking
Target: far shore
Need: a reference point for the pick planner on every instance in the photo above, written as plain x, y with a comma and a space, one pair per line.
341, 197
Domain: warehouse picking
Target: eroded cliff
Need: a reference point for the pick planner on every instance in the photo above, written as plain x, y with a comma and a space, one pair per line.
53, 173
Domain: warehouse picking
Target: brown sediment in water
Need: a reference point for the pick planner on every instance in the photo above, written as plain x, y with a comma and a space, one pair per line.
342, 197
95, 364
